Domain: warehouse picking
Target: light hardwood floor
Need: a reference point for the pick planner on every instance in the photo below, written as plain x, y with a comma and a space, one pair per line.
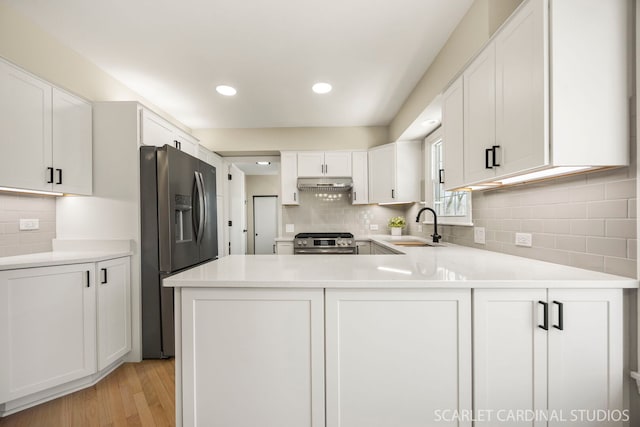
135, 394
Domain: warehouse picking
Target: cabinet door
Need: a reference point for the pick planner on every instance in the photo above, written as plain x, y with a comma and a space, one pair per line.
395, 357
72, 146
337, 163
47, 327
155, 130
360, 191
289, 178
25, 123
284, 248
510, 351
363, 248
382, 174
186, 143
586, 355
114, 310
253, 357
310, 163
522, 100
479, 116
452, 135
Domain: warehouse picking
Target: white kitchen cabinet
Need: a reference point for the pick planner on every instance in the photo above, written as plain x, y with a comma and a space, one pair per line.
289, 178
284, 248
257, 355
452, 176
360, 175
155, 130
575, 363
47, 133
363, 247
394, 172
72, 147
395, 357
114, 310
321, 163
516, 122
186, 143
377, 249
47, 327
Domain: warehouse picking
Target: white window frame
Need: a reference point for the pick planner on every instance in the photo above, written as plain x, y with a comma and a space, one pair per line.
430, 179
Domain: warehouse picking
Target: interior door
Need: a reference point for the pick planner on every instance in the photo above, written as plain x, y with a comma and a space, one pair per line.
265, 223
237, 212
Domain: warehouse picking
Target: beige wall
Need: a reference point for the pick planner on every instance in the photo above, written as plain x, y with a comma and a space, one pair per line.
473, 31
271, 140
29, 47
258, 185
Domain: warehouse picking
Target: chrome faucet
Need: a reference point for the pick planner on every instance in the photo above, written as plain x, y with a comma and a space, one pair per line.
435, 235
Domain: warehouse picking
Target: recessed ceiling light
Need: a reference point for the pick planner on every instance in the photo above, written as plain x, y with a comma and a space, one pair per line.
263, 163
321, 87
429, 122
226, 90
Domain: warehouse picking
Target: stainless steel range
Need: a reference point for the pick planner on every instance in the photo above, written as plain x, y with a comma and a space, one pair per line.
324, 243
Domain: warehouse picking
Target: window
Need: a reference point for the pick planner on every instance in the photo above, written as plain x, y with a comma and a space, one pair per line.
452, 207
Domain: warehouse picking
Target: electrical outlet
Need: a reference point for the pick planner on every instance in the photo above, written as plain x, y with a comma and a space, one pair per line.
29, 224
479, 235
373, 227
523, 239
289, 228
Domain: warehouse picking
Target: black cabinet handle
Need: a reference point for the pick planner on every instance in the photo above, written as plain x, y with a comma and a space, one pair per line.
88, 279
560, 324
487, 153
104, 275
59, 181
493, 151
178, 144
440, 176
294, 197
50, 171
545, 324
355, 196
393, 193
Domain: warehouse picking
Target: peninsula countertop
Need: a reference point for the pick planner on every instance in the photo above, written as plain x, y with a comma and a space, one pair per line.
443, 266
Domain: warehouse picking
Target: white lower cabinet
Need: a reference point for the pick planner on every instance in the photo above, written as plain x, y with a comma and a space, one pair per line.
574, 364
114, 310
284, 248
253, 357
47, 327
397, 357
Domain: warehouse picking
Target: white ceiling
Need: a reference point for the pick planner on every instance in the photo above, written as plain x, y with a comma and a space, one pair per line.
248, 165
174, 53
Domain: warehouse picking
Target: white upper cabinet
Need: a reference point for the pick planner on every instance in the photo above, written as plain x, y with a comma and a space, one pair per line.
47, 135
72, 148
320, 163
453, 136
359, 168
158, 132
289, 178
394, 172
516, 121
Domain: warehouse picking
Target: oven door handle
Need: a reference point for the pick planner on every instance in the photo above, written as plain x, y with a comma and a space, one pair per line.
319, 251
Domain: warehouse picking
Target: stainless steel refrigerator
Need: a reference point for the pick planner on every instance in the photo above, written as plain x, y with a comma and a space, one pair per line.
178, 231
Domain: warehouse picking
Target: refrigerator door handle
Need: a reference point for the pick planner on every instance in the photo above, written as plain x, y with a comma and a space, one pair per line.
204, 203
201, 207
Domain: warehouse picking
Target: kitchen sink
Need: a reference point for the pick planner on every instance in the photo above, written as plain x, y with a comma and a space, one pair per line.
411, 243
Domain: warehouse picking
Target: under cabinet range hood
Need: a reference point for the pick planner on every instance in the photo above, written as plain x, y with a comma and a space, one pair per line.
335, 185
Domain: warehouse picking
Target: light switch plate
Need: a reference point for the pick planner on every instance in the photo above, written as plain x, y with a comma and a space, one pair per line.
290, 228
29, 224
373, 227
523, 239
479, 235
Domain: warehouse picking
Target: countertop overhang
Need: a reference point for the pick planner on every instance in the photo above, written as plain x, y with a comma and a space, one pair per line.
446, 266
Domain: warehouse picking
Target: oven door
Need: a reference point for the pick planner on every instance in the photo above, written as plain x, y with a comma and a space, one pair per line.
324, 251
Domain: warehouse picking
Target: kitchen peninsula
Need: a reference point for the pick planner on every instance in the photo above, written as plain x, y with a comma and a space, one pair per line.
378, 340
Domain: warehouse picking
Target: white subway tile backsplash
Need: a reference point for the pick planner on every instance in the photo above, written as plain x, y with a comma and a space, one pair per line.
557, 226
620, 266
588, 227
621, 189
544, 241
587, 261
607, 209
587, 193
16, 242
607, 246
571, 243
625, 228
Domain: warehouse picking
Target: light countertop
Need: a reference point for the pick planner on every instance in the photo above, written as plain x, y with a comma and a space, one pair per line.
448, 266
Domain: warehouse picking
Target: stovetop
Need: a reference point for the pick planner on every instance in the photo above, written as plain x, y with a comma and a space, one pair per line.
329, 235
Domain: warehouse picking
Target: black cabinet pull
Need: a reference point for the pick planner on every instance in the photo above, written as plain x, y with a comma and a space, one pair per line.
50, 171
393, 193
560, 324
493, 151
178, 144
487, 153
104, 275
355, 196
545, 324
88, 279
59, 181
294, 197
440, 176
